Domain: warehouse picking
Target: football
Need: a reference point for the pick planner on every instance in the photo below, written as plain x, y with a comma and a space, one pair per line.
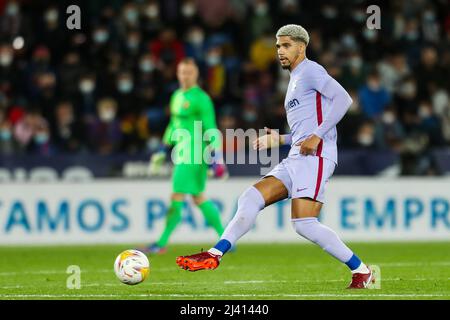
131, 267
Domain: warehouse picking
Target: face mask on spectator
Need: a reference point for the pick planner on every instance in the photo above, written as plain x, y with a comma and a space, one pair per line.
6, 59
131, 16
359, 16
213, 59
125, 86
133, 44
107, 115
429, 16
153, 143
146, 66
5, 134
408, 89
369, 34
355, 62
329, 12
101, 36
412, 35
188, 10
249, 116
152, 11
365, 139
196, 38
51, 15
41, 138
349, 41
87, 86
424, 112
388, 117
12, 9
261, 9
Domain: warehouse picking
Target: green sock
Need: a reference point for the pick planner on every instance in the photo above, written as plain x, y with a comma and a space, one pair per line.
172, 220
212, 216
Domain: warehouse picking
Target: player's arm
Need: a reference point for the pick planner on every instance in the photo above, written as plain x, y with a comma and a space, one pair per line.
340, 103
212, 133
271, 139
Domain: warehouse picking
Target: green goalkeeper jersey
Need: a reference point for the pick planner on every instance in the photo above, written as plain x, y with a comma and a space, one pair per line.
192, 114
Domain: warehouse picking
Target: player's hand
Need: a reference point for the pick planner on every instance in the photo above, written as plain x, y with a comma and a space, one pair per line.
271, 139
156, 161
309, 145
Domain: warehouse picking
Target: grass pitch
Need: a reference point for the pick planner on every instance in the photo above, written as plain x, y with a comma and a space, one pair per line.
253, 272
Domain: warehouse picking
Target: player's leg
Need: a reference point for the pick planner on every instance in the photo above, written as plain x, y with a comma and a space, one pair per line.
179, 189
265, 192
250, 203
210, 212
173, 218
304, 214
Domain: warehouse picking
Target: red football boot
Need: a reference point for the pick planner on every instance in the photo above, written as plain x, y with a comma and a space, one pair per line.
361, 280
199, 261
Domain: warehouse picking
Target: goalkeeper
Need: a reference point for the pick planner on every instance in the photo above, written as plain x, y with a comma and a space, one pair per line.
192, 113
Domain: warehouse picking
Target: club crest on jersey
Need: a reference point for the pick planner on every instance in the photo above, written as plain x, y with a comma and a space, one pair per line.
292, 103
186, 104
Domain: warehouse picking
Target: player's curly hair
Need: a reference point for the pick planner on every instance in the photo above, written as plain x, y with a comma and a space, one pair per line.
295, 31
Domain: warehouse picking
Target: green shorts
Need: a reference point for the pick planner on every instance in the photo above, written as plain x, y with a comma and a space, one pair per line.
189, 178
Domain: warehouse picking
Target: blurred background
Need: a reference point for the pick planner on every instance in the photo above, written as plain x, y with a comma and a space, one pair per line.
94, 102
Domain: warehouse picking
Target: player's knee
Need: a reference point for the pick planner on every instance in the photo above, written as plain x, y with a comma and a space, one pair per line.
251, 197
198, 200
306, 227
250, 203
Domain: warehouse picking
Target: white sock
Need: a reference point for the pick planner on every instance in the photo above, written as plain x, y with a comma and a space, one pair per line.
215, 252
250, 203
361, 269
327, 239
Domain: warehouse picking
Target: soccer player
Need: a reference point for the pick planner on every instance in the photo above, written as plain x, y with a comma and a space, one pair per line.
314, 103
192, 115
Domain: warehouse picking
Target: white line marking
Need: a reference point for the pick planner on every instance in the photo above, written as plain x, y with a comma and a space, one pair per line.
217, 295
174, 268
228, 282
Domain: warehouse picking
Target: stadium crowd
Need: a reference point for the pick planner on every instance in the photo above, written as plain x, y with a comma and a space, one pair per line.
105, 88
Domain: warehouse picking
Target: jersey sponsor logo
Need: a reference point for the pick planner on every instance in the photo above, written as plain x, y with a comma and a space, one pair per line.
292, 103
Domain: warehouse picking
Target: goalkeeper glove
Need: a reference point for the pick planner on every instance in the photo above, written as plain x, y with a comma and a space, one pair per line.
157, 160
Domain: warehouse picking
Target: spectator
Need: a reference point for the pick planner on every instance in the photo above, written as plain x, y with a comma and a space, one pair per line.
365, 138
125, 95
373, 96
389, 131
41, 144
86, 97
104, 134
430, 124
69, 72
26, 127
262, 51
429, 72
8, 145
129, 50
67, 131
167, 49
354, 72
